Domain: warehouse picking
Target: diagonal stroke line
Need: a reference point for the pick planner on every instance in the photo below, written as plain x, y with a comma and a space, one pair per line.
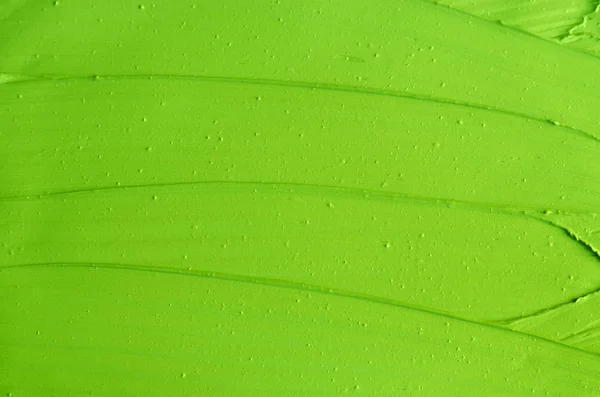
20, 79
280, 283
582, 243
529, 212
513, 320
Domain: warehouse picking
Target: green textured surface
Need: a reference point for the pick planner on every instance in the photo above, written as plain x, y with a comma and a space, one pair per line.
302, 199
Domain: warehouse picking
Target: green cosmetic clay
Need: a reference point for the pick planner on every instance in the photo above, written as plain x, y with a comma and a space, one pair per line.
299, 198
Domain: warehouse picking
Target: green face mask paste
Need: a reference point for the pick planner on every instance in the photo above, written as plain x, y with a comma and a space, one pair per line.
283, 198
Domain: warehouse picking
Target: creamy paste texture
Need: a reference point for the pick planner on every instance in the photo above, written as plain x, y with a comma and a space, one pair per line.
264, 198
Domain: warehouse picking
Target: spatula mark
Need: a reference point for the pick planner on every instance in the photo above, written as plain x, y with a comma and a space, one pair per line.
299, 187
313, 86
528, 212
281, 283
556, 44
591, 333
514, 320
582, 243
574, 236
525, 211
572, 32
